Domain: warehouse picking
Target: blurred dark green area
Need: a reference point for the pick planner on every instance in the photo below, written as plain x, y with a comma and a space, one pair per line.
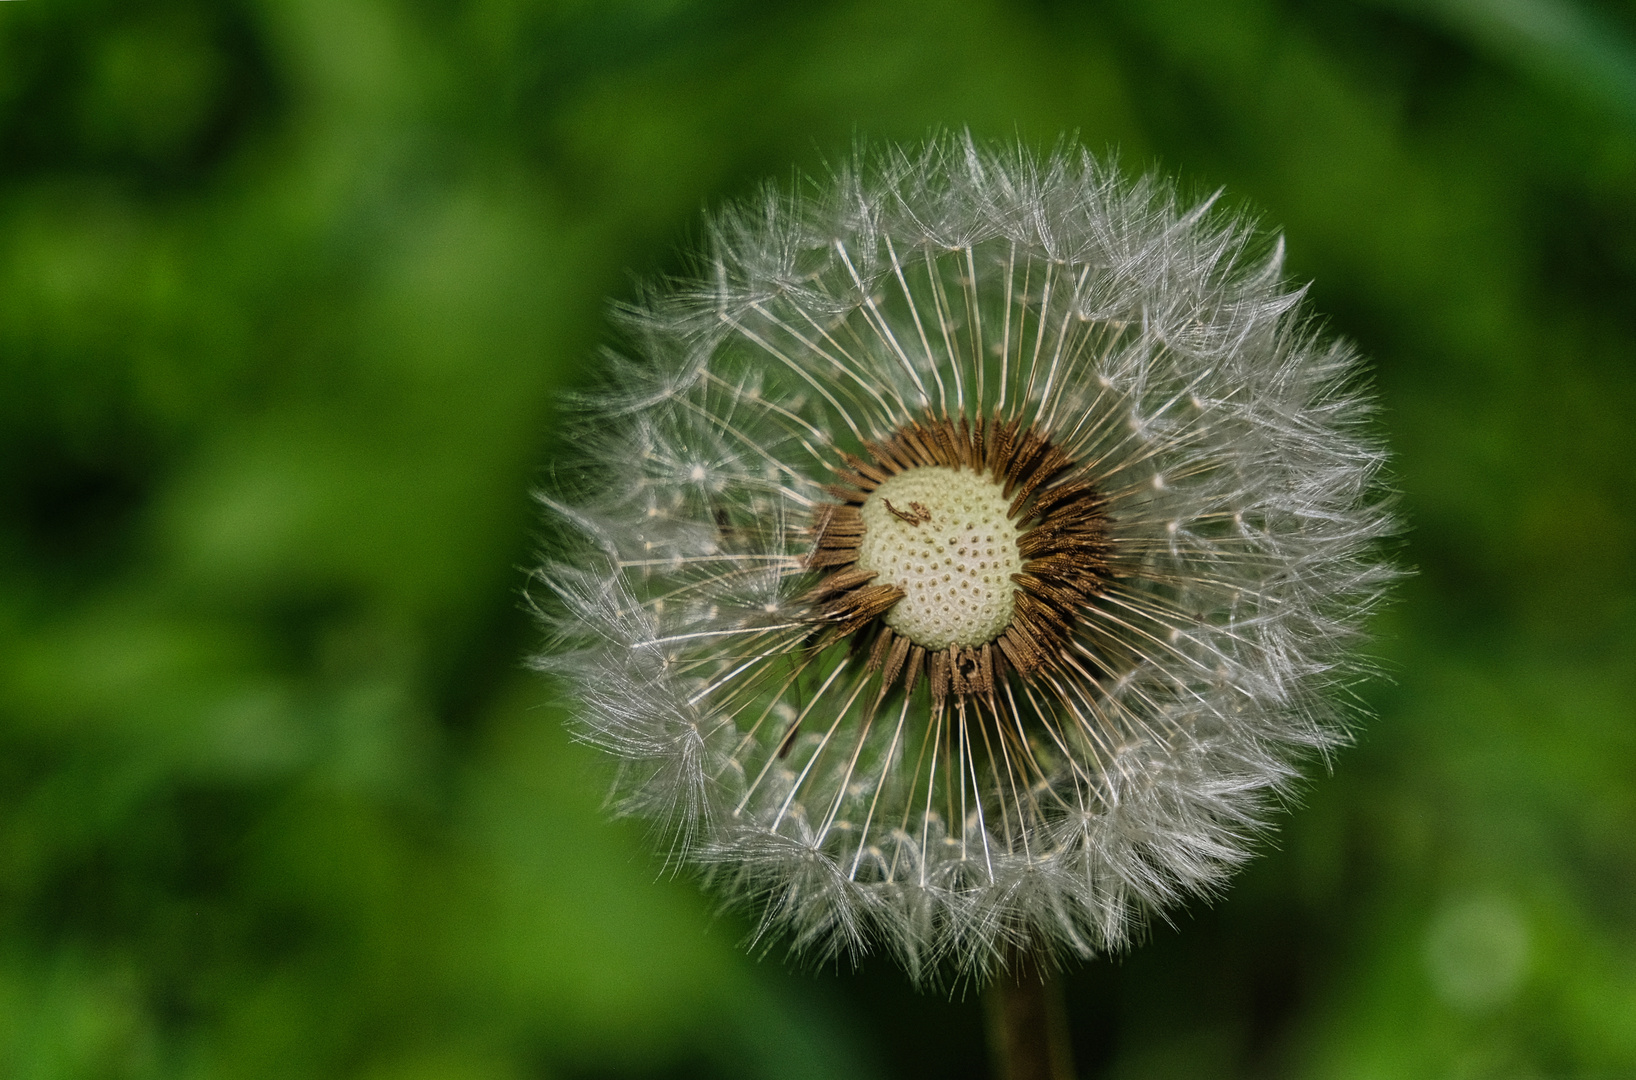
287, 291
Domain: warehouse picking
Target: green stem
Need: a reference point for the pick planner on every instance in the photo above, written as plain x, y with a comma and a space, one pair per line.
1028, 1026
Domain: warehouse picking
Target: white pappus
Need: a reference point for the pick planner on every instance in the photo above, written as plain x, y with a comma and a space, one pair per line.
961, 562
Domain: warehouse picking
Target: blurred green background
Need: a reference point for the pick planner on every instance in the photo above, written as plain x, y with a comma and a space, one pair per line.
287, 291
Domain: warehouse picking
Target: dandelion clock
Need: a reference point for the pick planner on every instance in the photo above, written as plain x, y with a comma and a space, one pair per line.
960, 563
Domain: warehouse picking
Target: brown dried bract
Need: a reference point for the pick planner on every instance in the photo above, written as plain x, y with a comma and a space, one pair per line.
1063, 543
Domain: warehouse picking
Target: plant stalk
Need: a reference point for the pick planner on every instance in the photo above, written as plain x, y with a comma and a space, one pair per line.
1028, 1026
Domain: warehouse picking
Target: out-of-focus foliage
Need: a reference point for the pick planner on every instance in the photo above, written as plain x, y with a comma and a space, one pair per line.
287, 289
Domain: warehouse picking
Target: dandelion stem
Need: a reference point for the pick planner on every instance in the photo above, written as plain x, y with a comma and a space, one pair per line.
1028, 1026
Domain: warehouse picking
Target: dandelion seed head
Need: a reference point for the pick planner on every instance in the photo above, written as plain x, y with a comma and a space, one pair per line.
961, 563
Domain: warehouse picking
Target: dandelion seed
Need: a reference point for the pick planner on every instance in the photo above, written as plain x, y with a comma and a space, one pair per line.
1040, 524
